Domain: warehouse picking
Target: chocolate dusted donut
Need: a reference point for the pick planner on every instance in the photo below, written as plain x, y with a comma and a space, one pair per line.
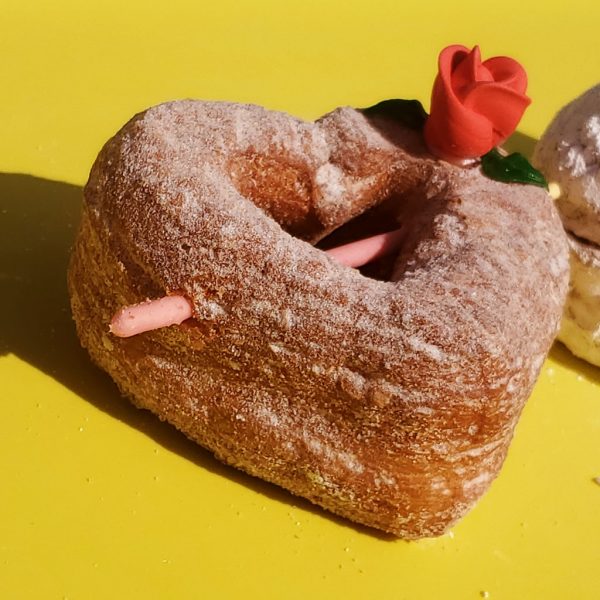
391, 403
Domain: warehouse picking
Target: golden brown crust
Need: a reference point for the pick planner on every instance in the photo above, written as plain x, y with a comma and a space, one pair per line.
391, 403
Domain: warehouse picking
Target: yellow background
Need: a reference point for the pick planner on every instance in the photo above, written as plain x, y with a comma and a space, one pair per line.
98, 500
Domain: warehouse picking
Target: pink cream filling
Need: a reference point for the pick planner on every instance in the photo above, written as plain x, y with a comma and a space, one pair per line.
173, 310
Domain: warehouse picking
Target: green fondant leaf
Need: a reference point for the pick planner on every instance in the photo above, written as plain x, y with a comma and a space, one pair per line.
409, 113
514, 168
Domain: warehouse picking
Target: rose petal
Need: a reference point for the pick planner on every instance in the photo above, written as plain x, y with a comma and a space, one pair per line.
467, 72
508, 72
452, 130
502, 106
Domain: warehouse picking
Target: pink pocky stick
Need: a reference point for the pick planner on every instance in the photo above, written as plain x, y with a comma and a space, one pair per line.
173, 310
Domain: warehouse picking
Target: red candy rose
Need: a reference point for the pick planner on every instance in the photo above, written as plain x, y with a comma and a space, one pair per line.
474, 106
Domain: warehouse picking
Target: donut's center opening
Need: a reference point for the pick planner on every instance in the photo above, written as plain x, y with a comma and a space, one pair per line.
377, 220
283, 191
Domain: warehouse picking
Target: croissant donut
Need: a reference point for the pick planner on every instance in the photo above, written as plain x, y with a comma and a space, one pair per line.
580, 327
391, 403
568, 153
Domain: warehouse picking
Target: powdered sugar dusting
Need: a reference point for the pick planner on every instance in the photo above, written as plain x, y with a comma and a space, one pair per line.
568, 153
430, 350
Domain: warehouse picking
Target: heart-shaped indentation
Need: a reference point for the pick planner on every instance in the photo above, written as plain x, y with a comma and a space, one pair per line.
391, 402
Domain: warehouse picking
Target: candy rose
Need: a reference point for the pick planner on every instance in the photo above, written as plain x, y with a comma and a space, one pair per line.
474, 105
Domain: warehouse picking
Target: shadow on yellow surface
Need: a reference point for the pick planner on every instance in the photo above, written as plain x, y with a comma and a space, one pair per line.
561, 354
38, 222
520, 142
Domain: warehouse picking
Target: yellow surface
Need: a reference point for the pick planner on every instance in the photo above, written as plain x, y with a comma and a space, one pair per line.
99, 500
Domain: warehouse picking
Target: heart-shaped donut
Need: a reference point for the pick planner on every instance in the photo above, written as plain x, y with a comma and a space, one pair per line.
389, 402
